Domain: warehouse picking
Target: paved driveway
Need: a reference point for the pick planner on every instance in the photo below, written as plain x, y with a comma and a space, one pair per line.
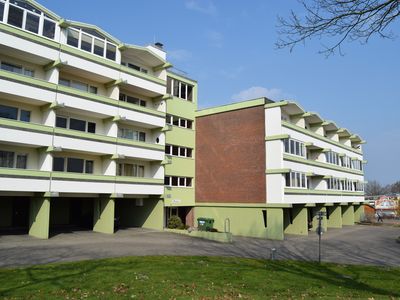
352, 244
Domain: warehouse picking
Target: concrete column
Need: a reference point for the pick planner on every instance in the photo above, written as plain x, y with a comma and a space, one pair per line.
315, 220
103, 215
39, 217
348, 215
335, 216
359, 214
299, 223
154, 211
275, 224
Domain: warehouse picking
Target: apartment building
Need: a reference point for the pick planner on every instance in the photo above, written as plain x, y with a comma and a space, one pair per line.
82, 125
268, 167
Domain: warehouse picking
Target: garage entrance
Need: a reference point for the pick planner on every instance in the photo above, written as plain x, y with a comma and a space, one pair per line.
71, 214
14, 215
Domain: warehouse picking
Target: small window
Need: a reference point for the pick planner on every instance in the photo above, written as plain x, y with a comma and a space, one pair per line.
182, 151
188, 182
8, 112
75, 165
183, 123
61, 122
15, 16
1, 11
58, 164
89, 166
167, 149
111, 51
175, 121
181, 181
25, 116
166, 180
183, 90
72, 37
76, 124
86, 43
143, 103
32, 23
6, 159
174, 181
64, 82
140, 171
22, 160
189, 124
29, 73
93, 89
189, 152
142, 136
79, 86
169, 83
98, 48
175, 150
91, 127
189, 92
49, 28
176, 88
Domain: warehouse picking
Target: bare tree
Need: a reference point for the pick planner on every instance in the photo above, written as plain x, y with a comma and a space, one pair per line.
374, 188
342, 20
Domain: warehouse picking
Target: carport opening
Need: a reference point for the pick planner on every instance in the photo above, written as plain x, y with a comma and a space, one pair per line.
14, 215
185, 213
71, 214
288, 217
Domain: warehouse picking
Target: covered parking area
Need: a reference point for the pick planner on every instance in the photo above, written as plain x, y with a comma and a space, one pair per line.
14, 214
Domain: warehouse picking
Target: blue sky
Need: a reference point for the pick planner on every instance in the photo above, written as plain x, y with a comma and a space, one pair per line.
228, 47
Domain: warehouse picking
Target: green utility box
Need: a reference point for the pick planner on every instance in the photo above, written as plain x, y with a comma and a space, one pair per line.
205, 224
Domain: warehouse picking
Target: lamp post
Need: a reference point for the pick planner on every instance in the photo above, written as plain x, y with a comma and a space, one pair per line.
320, 230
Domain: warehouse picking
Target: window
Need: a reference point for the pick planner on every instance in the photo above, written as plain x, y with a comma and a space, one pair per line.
132, 100
49, 28
32, 23
357, 164
72, 37
16, 69
332, 157
178, 151
111, 51
58, 164
86, 42
133, 170
98, 47
177, 121
296, 179
179, 89
15, 16
6, 159
89, 166
346, 185
14, 113
21, 162
333, 183
74, 165
135, 67
178, 181
131, 134
346, 161
294, 147
77, 85
75, 124
1, 11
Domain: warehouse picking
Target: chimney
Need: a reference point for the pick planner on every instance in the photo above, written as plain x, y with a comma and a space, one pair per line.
159, 45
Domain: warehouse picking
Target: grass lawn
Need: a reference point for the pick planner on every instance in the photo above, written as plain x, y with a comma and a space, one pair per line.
166, 277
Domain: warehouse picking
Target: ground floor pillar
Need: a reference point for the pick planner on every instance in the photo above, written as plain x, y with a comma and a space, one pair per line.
334, 216
103, 215
153, 214
348, 214
39, 217
275, 224
359, 214
315, 220
296, 220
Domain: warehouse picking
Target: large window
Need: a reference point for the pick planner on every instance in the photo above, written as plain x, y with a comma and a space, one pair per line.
25, 16
133, 170
178, 151
346, 161
178, 181
179, 89
14, 113
357, 164
6, 66
72, 164
9, 159
296, 179
294, 147
333, 183
178, 121
78, 85
131, 134
75, 124
332, 157
132, 99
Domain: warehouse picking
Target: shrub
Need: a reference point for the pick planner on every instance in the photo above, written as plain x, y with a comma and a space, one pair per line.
175, 222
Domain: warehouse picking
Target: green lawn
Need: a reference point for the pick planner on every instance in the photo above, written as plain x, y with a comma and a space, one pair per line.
165, 277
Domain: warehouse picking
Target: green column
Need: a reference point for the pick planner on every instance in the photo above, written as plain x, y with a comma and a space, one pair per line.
39, 217
315, 220
275, 223
299, 220
348, 215
358, 213
335, 216
155, 214
103, 215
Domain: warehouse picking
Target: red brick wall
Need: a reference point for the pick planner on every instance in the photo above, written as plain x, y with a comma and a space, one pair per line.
230, 157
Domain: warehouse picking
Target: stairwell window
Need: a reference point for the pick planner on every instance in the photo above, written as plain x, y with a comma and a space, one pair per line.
178, 121
179, 89
178, 151
178, 181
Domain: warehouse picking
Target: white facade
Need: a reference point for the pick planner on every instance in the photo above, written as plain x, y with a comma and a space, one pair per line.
310, 160
80, 112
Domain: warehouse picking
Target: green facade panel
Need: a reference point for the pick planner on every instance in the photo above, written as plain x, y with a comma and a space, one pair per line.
179, 196
181, 108
181, 137
39, 217
358, 213
275, 224
295, 220
180, 167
